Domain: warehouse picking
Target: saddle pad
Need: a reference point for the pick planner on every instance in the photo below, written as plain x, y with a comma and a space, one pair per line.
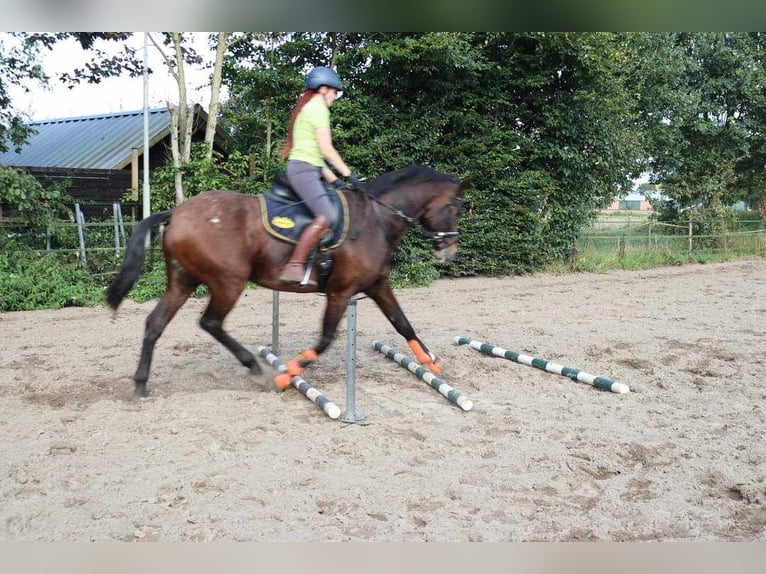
286, 221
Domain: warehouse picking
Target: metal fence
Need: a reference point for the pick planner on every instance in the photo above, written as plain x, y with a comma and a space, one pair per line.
98, 235
611, 239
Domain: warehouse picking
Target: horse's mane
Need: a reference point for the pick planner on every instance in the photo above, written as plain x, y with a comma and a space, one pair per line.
411, 174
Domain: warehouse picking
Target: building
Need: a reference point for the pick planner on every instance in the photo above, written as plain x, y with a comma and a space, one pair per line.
637, 199
101, 156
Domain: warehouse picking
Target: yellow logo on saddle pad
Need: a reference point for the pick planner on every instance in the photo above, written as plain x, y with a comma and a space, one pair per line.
283, 222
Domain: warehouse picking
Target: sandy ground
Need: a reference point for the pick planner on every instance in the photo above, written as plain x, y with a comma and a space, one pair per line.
215, 454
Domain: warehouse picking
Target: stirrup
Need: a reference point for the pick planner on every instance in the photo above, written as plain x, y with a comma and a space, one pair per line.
286, 277
307, 276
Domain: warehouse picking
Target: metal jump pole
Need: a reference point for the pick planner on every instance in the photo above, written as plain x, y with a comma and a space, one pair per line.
115, 206
351, 415
147, 196
275, 321
80, 230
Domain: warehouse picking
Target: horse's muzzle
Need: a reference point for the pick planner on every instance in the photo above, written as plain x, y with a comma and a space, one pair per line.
446, 254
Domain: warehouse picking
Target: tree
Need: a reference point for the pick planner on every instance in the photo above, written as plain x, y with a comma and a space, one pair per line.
545, 124
215, 93
19, 64
263, 74
705, 135
20, 57
182, 114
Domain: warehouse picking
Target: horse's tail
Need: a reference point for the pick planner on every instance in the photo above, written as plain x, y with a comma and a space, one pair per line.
133, 262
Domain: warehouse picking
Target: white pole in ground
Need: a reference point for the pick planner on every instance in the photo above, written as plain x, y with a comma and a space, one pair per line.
543, 365
424, 375
314, 395
147, 196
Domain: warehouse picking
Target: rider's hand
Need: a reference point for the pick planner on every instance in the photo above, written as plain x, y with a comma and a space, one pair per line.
338, 184
353, 180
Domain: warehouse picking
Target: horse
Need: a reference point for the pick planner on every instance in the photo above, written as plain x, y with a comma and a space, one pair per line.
219, 239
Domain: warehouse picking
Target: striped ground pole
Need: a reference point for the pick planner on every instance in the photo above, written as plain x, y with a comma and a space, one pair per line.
425, 375
542, 364
330, 408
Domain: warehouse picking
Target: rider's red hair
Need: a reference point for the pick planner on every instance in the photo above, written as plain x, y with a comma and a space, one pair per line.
302, 101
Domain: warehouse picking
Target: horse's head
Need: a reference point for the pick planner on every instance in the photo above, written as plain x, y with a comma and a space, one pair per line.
440, 220
424, 197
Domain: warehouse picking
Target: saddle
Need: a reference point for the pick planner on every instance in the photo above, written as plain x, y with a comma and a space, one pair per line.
285, 215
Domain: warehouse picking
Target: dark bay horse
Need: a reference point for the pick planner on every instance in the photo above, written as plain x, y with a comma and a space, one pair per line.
218, 239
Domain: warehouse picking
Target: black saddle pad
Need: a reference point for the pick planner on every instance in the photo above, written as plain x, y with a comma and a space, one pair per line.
285, 216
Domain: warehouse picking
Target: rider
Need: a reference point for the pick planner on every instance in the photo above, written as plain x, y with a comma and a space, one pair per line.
309, 151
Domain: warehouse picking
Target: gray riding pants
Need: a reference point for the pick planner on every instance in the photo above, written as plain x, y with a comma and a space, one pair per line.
306, 180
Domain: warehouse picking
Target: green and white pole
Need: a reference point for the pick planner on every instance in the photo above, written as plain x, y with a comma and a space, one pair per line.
424, 375
330, 409
542, 364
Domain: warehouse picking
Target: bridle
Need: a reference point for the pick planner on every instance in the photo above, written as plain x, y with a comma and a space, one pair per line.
437, 238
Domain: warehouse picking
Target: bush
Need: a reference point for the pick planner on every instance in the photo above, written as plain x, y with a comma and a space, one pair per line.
29, 281
28, 200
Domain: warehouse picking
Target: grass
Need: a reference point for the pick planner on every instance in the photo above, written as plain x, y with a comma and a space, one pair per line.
642, 244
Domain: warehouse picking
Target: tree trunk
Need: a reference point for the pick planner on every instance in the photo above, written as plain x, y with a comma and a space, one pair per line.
215, 90
184, 122
177, 175
762, 209
267, 171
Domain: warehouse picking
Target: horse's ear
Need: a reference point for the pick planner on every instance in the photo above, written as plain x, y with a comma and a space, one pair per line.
465, 183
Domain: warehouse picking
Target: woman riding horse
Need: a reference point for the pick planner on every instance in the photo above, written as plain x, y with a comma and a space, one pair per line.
309, 149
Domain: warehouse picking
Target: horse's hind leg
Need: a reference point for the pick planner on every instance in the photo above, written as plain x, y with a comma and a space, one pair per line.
176, 295
222, 300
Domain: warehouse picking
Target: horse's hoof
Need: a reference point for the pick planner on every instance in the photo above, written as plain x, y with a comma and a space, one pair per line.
283, 380
434, 368
140, 391
255, 369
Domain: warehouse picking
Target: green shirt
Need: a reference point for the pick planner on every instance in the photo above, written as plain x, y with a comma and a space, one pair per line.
315, 114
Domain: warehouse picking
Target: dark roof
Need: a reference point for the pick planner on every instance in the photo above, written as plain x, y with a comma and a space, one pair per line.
103, 141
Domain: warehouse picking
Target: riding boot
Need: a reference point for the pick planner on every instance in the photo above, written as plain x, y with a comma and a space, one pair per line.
295, 269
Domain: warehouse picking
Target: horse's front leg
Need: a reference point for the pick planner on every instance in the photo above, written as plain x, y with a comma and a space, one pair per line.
383, 295
336, 306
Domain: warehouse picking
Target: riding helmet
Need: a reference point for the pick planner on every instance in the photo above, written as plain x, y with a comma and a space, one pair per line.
321, 76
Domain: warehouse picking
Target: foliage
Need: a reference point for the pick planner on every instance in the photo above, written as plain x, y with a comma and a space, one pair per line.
20, 66
704, 111
34, 204
543, 123
263, 76
201, 175
413, 263
29, 281
548, 127
152, 282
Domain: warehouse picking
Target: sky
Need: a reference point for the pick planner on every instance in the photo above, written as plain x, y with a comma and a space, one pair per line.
113, 94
